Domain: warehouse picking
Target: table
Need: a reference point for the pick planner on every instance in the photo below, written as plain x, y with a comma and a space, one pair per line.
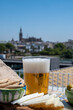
9, 106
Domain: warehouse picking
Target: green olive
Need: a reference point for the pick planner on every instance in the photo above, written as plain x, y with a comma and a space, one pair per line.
69, 87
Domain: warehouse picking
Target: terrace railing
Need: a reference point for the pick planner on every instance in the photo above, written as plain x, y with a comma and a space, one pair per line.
57, 81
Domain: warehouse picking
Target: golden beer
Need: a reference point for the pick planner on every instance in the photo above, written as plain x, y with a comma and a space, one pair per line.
36, 82
36, 75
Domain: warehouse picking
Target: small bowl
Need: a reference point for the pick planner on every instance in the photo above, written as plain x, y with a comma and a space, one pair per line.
8, 95
69, 95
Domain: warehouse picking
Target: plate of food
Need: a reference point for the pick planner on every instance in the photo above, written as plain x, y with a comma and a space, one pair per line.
12, 87
39, 101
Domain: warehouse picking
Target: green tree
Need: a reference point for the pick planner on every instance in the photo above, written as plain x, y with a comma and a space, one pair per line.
2, 48
44, 52
57, 51
47, 51
10, 46
45, 46
50, 51
60, 46
68, 53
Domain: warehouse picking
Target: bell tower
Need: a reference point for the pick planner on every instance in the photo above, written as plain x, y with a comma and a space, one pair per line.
20, 35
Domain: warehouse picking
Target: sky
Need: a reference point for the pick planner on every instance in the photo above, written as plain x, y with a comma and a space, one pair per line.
52, 20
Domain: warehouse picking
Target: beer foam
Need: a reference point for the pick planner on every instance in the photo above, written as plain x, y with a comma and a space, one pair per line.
36, 65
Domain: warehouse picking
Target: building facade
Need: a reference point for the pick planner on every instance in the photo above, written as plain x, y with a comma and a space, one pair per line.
31, 44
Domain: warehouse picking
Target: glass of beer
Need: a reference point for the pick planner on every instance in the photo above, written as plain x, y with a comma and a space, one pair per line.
36, 74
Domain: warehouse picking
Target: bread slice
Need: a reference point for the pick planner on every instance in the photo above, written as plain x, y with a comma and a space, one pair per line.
16, 85
3, 81
52, 103
8, 76
43, 106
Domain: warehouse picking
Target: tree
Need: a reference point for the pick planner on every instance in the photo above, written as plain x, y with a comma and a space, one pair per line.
44, 52
45, 46
57, 51
50, 51
60, 46
68, 53
47, 51
10, 46
2, 48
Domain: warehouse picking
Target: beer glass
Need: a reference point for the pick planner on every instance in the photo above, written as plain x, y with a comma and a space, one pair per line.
36, 74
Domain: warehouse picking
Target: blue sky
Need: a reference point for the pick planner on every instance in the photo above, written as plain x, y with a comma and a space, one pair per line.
51, 20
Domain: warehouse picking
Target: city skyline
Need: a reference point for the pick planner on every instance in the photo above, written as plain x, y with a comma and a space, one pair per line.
52, 20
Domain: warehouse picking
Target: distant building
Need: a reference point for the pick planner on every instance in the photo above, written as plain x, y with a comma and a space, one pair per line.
49, 44
33, 39
29, 39
3, 42
69, 44
30, 44
20, 35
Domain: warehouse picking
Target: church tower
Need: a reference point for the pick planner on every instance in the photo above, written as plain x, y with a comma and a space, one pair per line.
20, 35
